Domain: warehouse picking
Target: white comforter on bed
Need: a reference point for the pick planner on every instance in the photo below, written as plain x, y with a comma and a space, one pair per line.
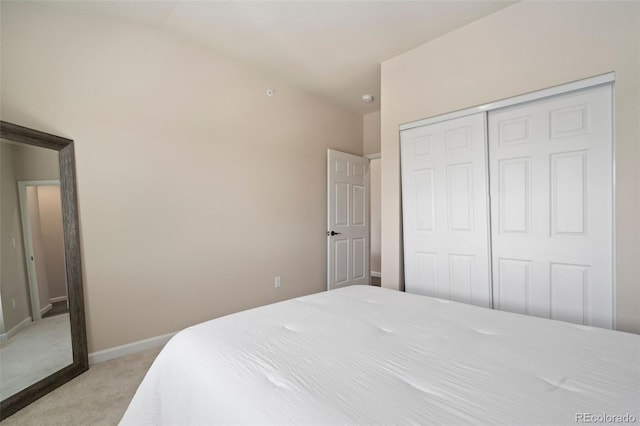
365, 355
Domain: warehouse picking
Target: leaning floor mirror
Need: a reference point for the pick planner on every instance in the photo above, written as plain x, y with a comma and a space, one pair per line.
43, 341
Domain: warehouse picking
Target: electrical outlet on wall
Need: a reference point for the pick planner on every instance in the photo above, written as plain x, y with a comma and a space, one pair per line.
277, 282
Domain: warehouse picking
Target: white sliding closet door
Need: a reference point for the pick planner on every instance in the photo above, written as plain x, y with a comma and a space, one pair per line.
444, 196
551, 207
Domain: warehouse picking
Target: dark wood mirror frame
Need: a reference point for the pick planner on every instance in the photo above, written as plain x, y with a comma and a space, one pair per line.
80, 364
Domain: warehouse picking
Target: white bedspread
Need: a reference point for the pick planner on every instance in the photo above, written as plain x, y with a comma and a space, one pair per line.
365, 355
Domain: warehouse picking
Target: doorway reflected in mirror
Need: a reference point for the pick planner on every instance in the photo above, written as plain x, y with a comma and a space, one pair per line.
35, 338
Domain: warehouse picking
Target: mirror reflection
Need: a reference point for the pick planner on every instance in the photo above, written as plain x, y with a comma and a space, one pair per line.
35, 336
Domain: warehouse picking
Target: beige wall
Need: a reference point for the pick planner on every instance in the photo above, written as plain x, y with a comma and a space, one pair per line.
195, 188
522, 48
13, 279
23, 163
35, 163
50, 205
371, 133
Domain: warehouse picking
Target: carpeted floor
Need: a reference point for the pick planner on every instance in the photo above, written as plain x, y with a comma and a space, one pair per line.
98, 397
38, 350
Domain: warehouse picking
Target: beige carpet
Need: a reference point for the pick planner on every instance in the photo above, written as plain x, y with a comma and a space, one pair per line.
98, 397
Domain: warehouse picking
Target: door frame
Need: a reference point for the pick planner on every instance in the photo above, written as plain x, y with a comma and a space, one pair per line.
370, 157
27, 242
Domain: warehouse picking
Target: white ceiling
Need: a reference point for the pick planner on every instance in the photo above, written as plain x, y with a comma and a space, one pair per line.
333, 48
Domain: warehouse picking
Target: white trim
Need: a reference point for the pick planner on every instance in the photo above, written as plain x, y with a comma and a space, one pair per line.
527, 97
487, 178
46, 309
9, 334
58, 299
373, 156
376, 274
129, 349
614, 200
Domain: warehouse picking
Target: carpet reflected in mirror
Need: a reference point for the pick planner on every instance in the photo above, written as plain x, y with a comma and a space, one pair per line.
36, 351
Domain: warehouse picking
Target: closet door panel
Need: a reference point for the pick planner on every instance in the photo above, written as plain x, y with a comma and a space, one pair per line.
551, 207
445, 217
514, 297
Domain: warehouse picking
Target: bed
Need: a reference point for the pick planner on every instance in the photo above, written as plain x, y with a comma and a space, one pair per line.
368, 355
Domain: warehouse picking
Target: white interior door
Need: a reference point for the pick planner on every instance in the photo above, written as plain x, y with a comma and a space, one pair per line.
347, 220
552, 198
445, 218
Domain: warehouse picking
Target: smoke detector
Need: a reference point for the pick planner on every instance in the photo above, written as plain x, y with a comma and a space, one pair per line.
367, 99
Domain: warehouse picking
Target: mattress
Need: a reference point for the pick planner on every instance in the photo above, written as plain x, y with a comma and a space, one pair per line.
366, 355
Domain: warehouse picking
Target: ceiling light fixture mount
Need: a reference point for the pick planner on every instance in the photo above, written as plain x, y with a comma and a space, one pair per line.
271, 92
367, 98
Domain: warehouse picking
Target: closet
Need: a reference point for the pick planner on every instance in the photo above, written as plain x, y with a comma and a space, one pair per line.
510, 205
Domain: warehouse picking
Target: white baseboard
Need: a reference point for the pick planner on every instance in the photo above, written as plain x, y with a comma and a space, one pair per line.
129, 349
9, 334
58, 299
376, 274
46, 309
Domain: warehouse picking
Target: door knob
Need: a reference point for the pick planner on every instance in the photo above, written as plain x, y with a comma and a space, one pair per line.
332, 233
